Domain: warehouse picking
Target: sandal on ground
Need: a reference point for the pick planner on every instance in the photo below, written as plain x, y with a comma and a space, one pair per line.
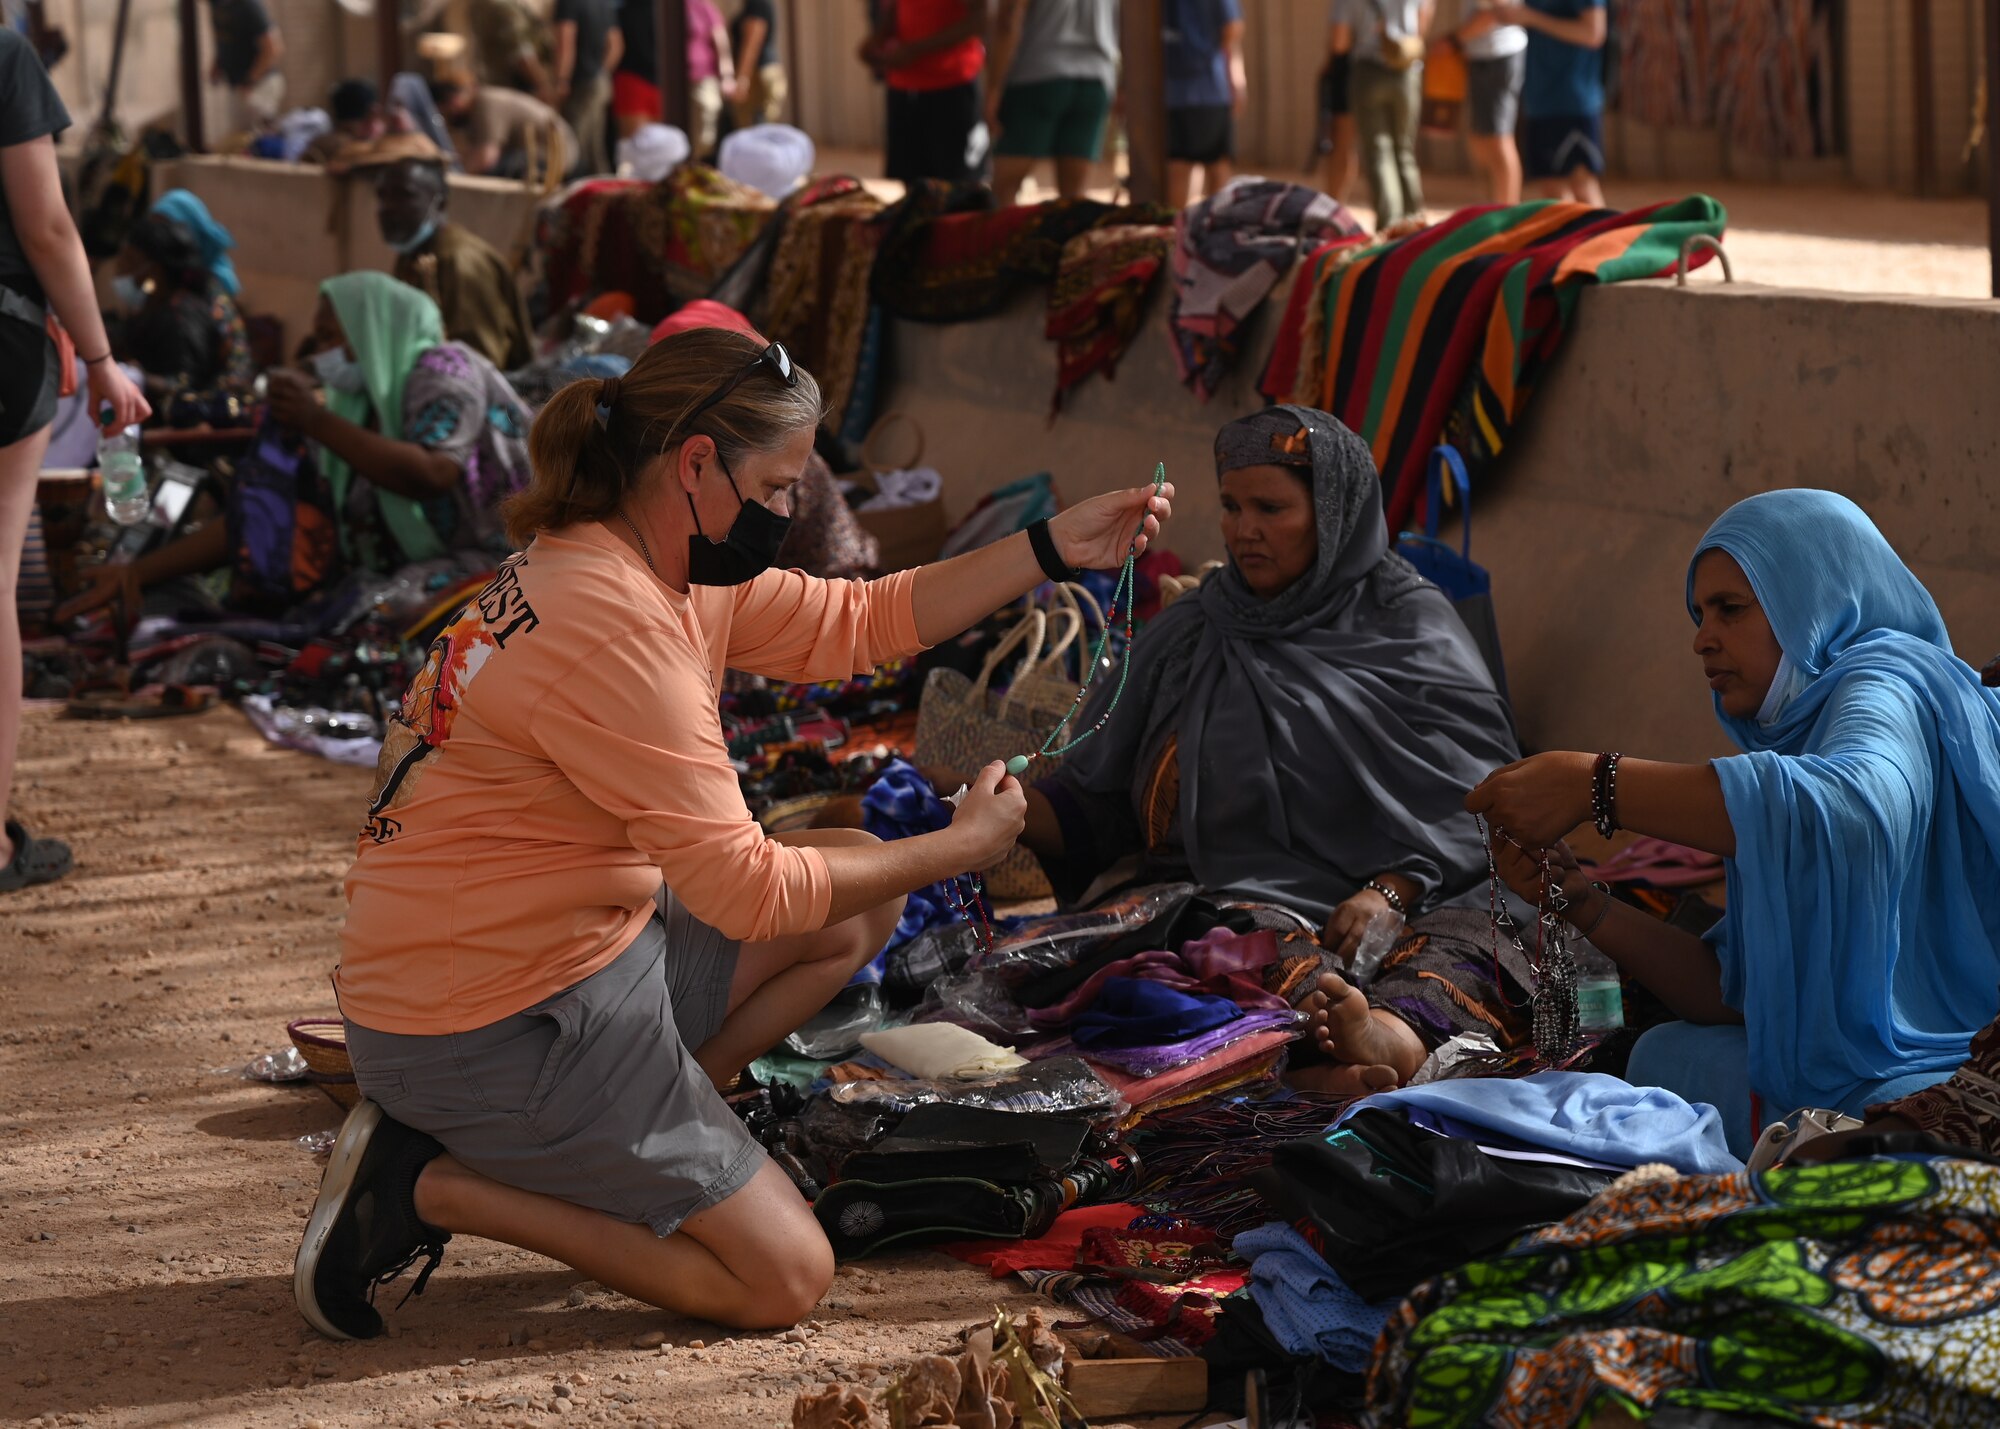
35, 860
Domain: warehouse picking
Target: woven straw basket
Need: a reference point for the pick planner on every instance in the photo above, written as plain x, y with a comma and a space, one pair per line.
322, 1041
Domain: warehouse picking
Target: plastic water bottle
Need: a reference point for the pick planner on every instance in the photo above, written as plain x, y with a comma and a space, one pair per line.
124, 471
1377, 940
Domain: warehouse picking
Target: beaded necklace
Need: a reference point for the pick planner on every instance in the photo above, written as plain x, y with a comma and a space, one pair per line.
1556, 1020
967, 892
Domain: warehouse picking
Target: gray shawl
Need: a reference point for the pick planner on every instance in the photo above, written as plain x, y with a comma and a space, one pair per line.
1326, 735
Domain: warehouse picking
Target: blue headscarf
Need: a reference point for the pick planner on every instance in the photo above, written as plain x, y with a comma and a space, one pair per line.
212, 241
1862, 940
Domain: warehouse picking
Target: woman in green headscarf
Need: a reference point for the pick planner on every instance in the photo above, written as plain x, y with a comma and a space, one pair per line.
419, 440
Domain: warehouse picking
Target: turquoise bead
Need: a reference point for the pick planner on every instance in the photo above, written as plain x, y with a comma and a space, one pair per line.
1018, 764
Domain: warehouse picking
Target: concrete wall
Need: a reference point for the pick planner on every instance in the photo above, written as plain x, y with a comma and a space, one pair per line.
1665, 406
295, 224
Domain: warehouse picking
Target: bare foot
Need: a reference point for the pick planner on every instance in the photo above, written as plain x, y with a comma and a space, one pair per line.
1373, 1050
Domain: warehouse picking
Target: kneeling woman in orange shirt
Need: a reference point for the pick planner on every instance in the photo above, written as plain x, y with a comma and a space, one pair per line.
564, 929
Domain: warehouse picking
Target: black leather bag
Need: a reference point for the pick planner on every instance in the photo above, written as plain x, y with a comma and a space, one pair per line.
1389, 1204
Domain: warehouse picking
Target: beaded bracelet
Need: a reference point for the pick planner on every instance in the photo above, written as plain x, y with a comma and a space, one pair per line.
1604, 794
1393, 898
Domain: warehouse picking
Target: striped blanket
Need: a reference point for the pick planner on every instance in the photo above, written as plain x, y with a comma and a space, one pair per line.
1443, 335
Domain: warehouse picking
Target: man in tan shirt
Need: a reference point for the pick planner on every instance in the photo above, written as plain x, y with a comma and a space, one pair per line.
470, 282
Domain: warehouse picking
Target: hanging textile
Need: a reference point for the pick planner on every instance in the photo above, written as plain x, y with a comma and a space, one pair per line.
665, 243
815, 294
1441, 336
949, 256
1230, 251
1098, 299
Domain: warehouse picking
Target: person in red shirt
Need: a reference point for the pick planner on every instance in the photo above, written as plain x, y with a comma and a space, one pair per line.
930, 54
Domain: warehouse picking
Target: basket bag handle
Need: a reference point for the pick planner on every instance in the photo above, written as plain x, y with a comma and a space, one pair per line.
1034, 627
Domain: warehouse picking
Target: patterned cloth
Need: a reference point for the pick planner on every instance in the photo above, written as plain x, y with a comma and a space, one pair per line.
1964, 1110
458, 405
949, 256
1230, 250
1099, 298
665, 243
1859, 1292
1441, 336
814, 298
1160, 1285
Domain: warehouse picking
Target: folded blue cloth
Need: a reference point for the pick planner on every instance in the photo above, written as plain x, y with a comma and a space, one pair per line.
1310, 1310
1138, 1012
1585, 1114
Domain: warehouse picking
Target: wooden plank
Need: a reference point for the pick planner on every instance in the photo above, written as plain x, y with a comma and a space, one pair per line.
1145, 1386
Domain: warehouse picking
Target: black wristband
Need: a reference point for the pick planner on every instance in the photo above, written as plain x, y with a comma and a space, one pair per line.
1046, 555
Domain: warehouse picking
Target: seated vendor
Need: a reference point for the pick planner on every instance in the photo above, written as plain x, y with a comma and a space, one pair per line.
464, 275
1301, 729
565, 931
182, 326
1858, 828
419, 441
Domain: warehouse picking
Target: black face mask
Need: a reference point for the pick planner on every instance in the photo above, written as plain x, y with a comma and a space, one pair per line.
750, 548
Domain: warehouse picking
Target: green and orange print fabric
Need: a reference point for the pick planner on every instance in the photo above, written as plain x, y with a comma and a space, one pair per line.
1860, 1292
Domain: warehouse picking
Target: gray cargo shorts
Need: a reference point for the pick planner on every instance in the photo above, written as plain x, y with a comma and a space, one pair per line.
592, 1096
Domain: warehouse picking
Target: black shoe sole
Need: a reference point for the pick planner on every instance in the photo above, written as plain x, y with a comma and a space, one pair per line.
334, 1188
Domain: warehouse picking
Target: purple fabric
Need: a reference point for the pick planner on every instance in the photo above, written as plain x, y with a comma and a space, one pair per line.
1139, 1012
1151, 1061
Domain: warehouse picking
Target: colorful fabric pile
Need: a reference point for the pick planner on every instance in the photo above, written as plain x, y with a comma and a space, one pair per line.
1858, 1292
1230, 251
1443, 335
665, 244
949, 256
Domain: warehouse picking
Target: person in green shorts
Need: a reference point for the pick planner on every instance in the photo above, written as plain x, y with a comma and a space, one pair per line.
1053, 66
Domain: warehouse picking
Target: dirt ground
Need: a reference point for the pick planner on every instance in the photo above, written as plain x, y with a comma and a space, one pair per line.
151, 1200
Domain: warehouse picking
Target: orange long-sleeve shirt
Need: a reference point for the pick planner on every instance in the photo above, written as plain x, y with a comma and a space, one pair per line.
560, 753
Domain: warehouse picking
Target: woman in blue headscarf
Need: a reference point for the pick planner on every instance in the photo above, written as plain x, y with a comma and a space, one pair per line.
1860, 828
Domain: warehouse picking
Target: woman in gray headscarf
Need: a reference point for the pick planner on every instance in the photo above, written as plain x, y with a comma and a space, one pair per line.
1301, 730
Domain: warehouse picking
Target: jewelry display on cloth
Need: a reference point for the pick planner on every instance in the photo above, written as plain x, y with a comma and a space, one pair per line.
1556, 1024
967, 892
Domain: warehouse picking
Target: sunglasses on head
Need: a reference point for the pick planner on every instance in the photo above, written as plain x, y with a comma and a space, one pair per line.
773, 359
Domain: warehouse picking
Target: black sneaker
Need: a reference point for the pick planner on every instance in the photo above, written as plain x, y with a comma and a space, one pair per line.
364, 1230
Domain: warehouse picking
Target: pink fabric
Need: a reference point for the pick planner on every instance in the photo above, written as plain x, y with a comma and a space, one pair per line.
1142, 1092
